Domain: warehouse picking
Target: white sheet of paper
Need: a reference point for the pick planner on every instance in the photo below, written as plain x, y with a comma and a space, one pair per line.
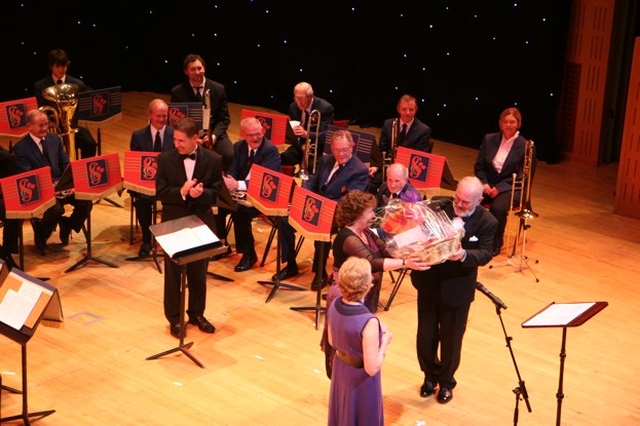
294, 123
17, 305
558, 314
410, 236
186, 238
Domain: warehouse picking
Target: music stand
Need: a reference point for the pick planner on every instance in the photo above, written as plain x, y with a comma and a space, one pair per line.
563, 315
140, 168
27, 195
312, 216
364, 143
185, 240
426, 170
269, 191
276, 126
95, 178
23, 300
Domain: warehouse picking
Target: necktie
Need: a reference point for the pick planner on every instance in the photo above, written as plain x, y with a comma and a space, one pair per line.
45, 154
185, 156
157, 144
323, 189
247, 166
197, 93
59, 81
402, 134
305, 117
394, 195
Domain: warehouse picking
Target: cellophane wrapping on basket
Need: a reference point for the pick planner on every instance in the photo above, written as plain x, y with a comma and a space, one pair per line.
416, 230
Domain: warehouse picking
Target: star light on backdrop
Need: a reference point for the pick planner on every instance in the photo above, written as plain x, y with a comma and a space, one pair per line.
465, 63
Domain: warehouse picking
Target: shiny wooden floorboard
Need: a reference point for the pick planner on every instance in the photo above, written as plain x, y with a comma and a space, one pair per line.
264, 366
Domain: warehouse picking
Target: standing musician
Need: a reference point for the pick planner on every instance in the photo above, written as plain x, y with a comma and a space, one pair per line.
187, 183
304, 102
40, 149
255, 148
196, 89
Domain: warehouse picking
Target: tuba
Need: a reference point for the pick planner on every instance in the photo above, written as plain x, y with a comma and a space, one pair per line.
64, 97
310, 148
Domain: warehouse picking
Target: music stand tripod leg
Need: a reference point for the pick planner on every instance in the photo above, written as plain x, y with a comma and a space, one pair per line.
277, 283
318, 307
182, 347
89, 256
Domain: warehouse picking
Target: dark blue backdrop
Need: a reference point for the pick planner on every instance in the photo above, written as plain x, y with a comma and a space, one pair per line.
465, 64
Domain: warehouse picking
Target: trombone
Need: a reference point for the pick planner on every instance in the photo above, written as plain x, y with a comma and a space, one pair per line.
310, 148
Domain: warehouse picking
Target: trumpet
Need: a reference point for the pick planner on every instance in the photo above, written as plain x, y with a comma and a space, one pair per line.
310, 148
64, 97
389, 157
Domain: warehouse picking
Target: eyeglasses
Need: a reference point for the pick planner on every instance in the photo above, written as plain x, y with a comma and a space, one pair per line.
461, 201
341, 150
253, 135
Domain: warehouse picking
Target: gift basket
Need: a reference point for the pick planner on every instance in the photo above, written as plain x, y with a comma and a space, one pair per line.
417, 230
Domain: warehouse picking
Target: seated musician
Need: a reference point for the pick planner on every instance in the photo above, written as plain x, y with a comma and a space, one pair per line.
409, 132
254, 148
304, 101
40, 149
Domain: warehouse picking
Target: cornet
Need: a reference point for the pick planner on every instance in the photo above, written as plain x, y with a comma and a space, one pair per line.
311, 148
64, 97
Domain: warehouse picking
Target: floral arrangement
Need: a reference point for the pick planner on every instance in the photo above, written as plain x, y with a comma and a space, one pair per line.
417, 230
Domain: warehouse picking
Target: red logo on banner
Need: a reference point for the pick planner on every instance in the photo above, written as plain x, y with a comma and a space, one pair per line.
148, 168
16, 115
98, 102
418, 167
176, 114
269, 186
311, 211
97, 173
28, 191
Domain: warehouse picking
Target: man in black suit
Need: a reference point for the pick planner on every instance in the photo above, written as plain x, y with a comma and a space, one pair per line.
158, 137
446, 290
196, 89
187, 183
40, 149
304, 102
410, 133
253, 149
337, 173
58, 62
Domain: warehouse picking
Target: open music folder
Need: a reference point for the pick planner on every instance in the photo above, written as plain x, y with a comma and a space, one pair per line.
184, 236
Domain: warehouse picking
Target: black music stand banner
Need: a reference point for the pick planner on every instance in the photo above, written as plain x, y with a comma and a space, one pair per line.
99, 106
269, 191
312, 214
277, 126
13, 116
140, 168
96, 177
363, 141
425, 169
180, 110
28, 194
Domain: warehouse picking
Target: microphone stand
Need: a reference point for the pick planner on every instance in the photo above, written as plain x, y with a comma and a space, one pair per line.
520, 390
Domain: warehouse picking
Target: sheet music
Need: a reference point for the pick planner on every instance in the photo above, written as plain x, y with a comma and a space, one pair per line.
186, 238
558, 314
16, 306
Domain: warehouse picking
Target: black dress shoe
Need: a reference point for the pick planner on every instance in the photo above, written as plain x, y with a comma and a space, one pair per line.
428, 388
203, 324
247, 262
288, 272
145, 250
445, 395
174, 329
495, 252
319, 281
65, 231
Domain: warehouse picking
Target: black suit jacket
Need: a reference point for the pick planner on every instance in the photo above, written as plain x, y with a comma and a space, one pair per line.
267, 156
220, 117
455, 281
141, 139
418, 136
326, 111
514, 162
171, 176
354, 175
27, 155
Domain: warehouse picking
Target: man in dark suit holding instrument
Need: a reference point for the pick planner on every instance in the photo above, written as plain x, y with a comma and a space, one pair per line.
187, 183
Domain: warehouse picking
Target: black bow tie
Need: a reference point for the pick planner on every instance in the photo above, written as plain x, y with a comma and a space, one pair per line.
185, 156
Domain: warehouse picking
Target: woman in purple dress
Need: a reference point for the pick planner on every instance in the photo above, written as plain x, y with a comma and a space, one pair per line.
360, 341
